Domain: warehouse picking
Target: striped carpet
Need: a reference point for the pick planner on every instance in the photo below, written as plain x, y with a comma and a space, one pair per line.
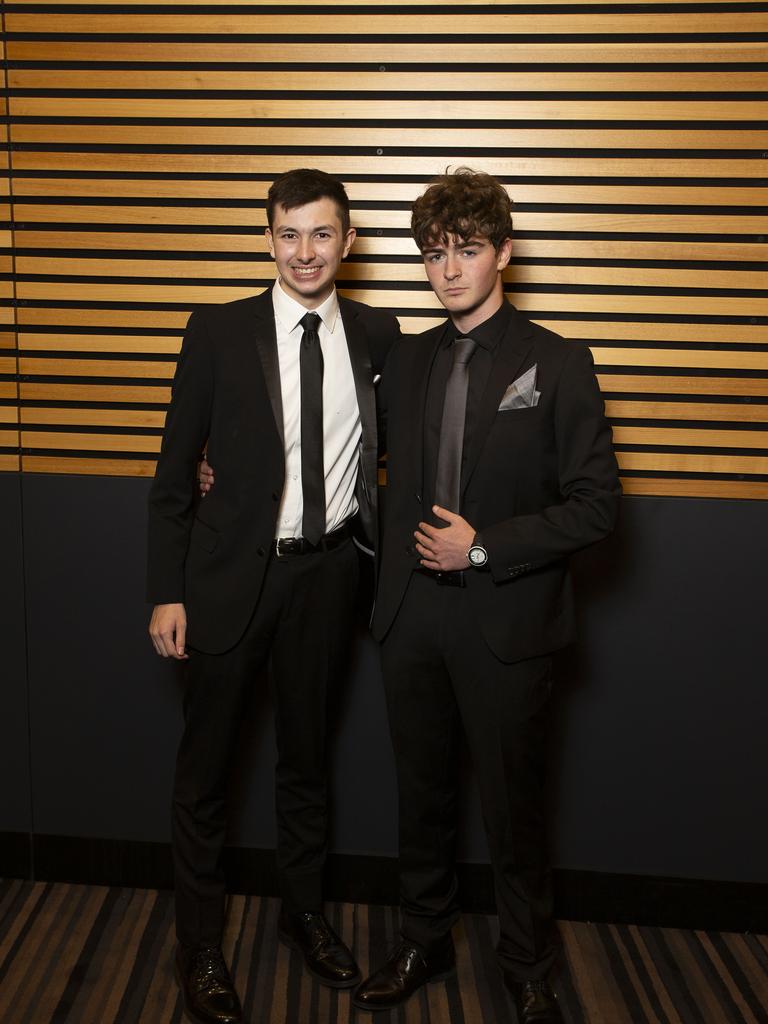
91, 955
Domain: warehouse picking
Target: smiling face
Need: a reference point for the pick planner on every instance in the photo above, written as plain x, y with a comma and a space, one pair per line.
308, 243
466, 277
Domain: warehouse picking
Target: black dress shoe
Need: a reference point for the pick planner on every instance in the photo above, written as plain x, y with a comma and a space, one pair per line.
406, 970
535, 1001
325, 955
206, 987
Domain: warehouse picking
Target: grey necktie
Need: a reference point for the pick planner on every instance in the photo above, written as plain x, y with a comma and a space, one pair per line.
448, 477
312, 464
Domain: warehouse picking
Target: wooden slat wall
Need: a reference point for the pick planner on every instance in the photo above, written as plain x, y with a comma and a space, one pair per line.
633, 139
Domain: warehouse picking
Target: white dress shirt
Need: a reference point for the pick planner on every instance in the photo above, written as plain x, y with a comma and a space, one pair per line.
342, 431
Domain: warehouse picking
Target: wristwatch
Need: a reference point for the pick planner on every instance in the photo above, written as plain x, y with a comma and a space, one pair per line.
477, 554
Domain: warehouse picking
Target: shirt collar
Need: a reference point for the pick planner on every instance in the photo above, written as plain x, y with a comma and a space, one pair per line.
289, 312
489, 333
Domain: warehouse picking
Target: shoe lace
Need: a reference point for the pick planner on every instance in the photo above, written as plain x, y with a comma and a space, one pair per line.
209, 969
318, 931
403, 954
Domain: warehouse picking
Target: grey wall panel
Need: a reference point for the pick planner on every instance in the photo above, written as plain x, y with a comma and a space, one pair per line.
15, 813
104, 709
664, 702
658, 721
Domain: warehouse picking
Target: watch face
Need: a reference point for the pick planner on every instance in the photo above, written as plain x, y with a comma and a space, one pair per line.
478, 556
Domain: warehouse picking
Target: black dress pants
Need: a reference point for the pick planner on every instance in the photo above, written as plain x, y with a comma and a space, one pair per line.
302, 628
440, 676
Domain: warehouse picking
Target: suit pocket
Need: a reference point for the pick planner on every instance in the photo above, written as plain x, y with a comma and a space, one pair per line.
524, 412
204, 536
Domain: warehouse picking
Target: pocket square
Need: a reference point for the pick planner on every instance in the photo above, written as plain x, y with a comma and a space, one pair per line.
521, 393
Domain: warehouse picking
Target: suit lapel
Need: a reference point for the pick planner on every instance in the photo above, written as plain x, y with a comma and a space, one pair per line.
513, 351
422, 371
360, 358
265, 336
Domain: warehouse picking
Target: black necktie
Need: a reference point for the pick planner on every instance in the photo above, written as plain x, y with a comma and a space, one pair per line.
312, 468
448, 477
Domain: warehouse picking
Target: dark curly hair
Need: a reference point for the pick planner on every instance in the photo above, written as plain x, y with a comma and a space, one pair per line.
465, 204
306, 185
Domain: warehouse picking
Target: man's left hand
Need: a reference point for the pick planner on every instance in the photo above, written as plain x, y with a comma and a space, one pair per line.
445, 548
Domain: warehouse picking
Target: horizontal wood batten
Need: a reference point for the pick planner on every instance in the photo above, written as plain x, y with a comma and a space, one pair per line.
708, 411
391, 109
390, 81
401, 138
687, 488
684, 385
494, 51
332, 4
87, 467
661, 277
93, 417
707, 194
692, 437
90, 442
9, 463
539, 248
460, 24
71, 316
154, 319
33, 391
99, 343
96, 368
632, 357
543, 302
679, 463
649, 222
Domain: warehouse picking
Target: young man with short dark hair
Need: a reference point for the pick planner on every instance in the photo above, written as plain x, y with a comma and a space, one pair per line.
279, 389
500, 465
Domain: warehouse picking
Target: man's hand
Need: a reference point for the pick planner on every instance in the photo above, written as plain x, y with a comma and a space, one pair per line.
445, 549
168, 629
205, 477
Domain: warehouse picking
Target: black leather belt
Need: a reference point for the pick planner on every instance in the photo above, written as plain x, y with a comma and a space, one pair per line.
299, 546
455, 578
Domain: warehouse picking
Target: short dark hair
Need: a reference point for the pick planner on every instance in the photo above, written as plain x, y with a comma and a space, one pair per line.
465, 204
306, 185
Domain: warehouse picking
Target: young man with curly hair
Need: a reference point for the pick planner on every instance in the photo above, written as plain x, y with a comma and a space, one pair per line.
500, 465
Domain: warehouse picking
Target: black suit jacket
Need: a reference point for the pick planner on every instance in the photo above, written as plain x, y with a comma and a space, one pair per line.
211, 554
538, 483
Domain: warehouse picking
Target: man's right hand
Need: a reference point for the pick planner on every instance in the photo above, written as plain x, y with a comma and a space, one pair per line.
205, 477
168, 629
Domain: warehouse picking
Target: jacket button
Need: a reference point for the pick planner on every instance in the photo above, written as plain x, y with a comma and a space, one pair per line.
418, 498
260, 552
275, 496
408, 549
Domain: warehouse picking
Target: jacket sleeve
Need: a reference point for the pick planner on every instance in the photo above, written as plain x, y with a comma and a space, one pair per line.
173, 495
587, 476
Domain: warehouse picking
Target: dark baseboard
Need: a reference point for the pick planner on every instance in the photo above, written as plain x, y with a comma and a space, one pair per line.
15, 855
92, 861
579, 895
